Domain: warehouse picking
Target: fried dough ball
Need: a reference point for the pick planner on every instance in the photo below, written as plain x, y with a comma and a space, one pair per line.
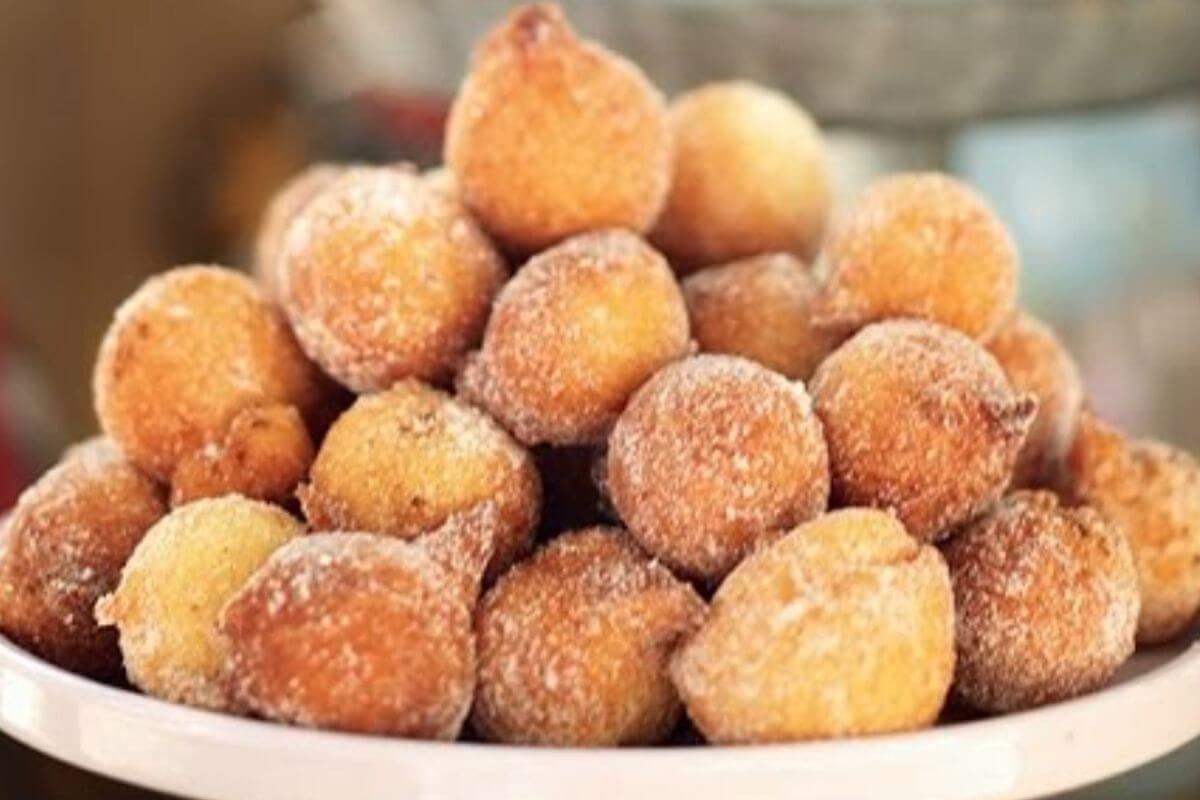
173, 588
920, 245
264, 454
1036, 362
760, 308
1046, 600
191, 359
287, 202
385, 277
843, 627
714, 455
552, 135
355, 632
65, 544
921, 420
573, 335
402, 462
574, 645
750, 177
1151, 492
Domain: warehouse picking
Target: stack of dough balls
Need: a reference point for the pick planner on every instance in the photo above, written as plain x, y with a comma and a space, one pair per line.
594, 437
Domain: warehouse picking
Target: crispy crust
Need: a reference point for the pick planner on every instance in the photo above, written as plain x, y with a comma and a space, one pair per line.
919, 419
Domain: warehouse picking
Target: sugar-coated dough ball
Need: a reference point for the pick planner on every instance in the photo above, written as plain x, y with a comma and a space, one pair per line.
760, 308
1151, 492
714, 455
1036, 362
264, 454
574, 645
385, 277
921, 420
552, 135
750, 177
174, 587
844, 627
402, 462
355, 632
188, 353
1046, 600
920, 245
65, 544
287, 202
573, 335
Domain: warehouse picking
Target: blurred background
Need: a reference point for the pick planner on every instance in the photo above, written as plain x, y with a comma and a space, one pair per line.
139, 135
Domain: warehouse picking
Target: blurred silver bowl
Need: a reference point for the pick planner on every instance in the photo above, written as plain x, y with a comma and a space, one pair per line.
881, 63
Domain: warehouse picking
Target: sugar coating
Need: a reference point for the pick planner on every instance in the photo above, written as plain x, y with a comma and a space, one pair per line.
287, 202
1151, 492
919, 245
750, 177
1036, 363
63, 548
402, 462
713, 456
188, 352
921, 420
263, 456
843, 627
574, 645
760, 308
385, 278
578, 329
1046, 601
355, 632
551, 135
174, 586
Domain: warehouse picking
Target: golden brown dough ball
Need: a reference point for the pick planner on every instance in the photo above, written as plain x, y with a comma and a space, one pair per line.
64, 546
1151, 492
921, 420
574, 645
287, 202
174, 587
844, 627
573, 335
385, 277
760, 308
355, 632
714, 455
404, 461
552, 135
919, 245
1046, 600
264, 454
750, 177
190, 353
1036, 363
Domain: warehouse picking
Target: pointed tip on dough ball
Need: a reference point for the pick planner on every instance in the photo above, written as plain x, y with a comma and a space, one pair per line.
919, 419
552, 135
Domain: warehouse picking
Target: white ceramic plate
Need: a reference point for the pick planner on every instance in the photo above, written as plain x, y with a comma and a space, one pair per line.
1154, 708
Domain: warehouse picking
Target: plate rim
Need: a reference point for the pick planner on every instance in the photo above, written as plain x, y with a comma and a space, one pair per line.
204, 727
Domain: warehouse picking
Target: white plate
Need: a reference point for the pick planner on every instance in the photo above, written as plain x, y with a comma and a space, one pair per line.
1154, 709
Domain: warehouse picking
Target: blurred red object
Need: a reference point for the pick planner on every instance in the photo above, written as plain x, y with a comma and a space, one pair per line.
11, 476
